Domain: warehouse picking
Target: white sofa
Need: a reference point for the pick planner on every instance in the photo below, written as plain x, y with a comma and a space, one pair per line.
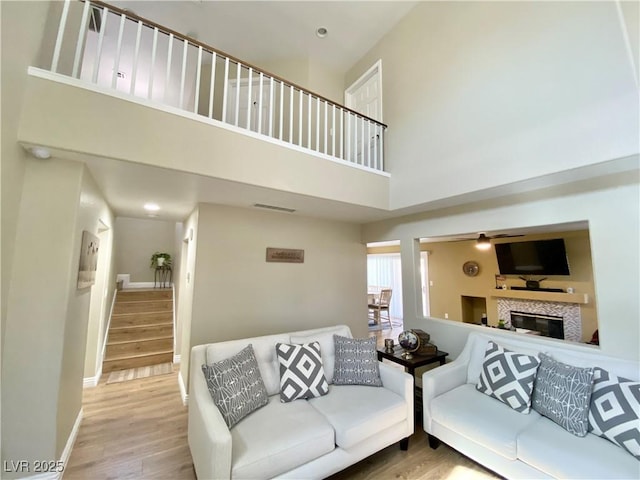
302, 439
513, 444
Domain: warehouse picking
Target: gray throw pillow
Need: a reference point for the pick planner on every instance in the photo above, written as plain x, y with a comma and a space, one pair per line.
508, 376
236, 386
615, 410
301, 371
562, 393
356, 362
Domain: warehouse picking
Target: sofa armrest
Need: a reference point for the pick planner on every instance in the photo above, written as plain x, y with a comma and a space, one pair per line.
209, 436
438, 381
400, 382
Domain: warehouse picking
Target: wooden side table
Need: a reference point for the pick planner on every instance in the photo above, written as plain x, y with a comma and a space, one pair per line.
411, 365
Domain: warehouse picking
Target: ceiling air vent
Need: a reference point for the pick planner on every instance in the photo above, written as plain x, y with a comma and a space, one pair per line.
273, 207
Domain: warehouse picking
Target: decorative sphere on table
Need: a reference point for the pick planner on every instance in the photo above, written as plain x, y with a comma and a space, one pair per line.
409, 341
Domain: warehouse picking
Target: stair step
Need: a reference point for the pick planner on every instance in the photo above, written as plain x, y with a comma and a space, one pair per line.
140, 332
138, 347
144, 294
141, 319
143, 306
135, 361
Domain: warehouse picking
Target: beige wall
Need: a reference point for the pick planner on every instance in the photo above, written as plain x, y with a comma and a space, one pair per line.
610, 204
450, 283
47, 316
21, 30
238, 294
137, 240
482, 94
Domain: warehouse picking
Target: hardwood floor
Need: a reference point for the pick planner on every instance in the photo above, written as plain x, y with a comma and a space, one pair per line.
138, 430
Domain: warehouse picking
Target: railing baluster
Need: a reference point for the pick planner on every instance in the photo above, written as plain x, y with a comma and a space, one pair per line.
80, 42
309, 121
116, 62
375, 147
291, 92
249, 98
196, 100
61, 27
212, 84
300, 120
103, 27
136, 53
260, 102
317, 124
238, 76
369, 143
342, 134
281, 110
355, 139
348, 138
333, 130
225, 90
185, 51
271, 107
381, 148
326, 130
154, 49
168, 73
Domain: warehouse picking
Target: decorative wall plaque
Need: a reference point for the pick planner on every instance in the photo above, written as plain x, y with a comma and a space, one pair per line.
285, 255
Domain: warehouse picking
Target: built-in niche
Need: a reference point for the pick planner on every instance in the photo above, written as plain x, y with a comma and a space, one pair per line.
458, 296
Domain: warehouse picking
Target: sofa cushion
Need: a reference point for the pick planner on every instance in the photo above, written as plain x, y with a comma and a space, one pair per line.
508, 376
278, 438
236, 386
301, 372
615, 409
357, 412
552, 450
562, 393
356, 362
481, 419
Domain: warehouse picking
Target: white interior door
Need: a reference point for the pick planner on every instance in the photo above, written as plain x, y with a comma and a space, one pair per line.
259, 116
365, 97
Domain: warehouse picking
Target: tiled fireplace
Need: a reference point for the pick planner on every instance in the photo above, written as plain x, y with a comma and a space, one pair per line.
569, 313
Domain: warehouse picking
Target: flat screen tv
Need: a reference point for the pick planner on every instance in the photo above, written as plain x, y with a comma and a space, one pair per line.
538, 257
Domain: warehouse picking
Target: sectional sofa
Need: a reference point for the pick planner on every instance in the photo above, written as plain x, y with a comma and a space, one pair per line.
304, 438
530, 445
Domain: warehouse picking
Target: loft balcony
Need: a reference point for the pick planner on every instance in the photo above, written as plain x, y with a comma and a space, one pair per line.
115, 86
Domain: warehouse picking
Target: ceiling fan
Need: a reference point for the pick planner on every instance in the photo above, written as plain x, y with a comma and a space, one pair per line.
483, 242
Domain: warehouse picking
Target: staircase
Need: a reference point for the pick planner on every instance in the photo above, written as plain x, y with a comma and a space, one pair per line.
141, 330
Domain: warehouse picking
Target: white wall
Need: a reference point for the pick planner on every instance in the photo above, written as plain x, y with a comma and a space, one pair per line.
137, 240
610, 204
238, 294
482, 94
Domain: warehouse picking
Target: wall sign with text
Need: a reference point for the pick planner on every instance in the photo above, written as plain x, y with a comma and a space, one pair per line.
285, 255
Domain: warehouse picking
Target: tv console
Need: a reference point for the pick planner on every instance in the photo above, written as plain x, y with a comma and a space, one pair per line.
540, 289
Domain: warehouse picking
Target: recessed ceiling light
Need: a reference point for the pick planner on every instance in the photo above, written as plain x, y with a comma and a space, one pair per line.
322, 32
40, 152
151, 207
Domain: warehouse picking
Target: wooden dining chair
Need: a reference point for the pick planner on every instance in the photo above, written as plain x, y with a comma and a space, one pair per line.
381, 304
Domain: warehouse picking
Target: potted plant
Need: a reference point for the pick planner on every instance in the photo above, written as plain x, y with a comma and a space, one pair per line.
160, 259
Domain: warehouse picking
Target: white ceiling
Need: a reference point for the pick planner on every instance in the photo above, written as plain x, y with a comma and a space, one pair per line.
257, 31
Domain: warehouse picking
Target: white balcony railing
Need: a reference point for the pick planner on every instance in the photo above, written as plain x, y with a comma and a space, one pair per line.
117, 50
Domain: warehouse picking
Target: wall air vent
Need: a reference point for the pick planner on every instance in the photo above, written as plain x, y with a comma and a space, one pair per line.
273, 207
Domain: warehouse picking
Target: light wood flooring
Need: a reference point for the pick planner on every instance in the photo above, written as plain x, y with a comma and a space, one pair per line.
138, 430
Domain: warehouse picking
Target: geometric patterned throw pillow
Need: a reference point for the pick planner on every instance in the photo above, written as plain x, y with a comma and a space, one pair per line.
301, 371
615, 409
562, 393
236, 386
508, 376
356, 362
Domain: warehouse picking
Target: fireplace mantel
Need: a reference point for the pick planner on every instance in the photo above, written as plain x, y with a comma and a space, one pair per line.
560, 297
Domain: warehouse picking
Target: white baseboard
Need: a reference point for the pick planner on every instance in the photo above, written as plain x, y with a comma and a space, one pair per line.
90, 382
141, 285
183, 390
64, 458
176, 359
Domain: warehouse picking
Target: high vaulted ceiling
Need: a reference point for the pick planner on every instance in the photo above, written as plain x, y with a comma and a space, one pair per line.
257, 31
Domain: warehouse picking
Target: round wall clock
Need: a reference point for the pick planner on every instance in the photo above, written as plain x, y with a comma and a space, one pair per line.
471, 268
